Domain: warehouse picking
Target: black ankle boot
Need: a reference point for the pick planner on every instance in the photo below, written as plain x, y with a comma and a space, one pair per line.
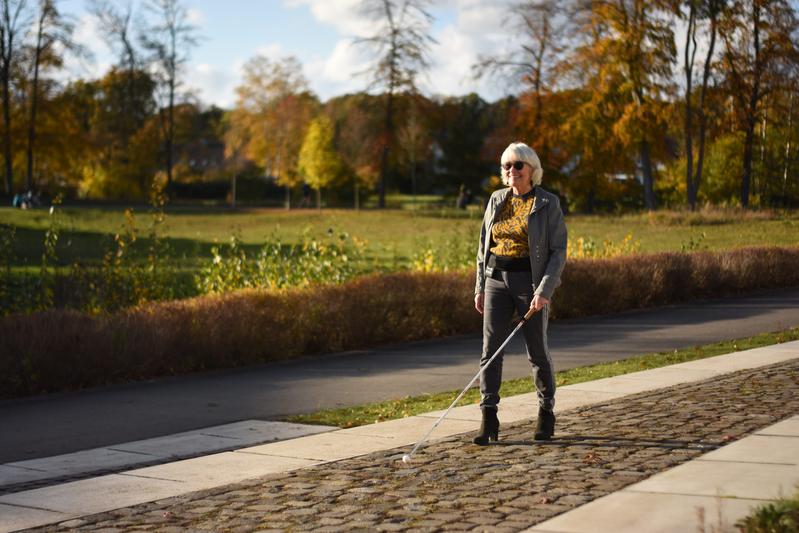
545, 427
489, 429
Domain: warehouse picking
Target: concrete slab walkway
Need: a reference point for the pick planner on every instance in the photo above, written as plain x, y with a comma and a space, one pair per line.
20, 475
714, 491
617, 441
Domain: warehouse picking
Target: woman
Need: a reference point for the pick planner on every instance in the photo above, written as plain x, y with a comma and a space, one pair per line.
521, 256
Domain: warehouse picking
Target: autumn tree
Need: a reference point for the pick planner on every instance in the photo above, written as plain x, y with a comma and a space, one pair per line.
415, 139
626, 57
14, 23
540, 26
169, 39
319, 163
273, 109
357, 122
696, 14
115, 21
53, 39
759, 50
399, 48
124, 158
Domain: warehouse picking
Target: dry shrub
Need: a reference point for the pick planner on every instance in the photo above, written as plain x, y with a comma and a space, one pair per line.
597, 286
62, 350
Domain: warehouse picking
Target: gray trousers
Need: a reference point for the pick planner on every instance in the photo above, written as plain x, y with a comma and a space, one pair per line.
513, 293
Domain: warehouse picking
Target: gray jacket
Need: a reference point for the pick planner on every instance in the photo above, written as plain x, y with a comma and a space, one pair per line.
546, 236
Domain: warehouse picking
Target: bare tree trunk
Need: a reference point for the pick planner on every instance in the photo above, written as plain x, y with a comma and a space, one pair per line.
754, 98
170, 137
9, 30
7, 131
34, 99
747, 172
787, 149
700, 159
690, 37
646, 170
389, 128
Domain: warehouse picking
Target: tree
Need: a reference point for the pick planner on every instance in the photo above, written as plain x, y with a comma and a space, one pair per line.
628, 47
400, 47
319, 163
116, 25
123, 128
535, 64
14, 22
52, 30
168, 40
273, 110
758, 53
698, 10
358, 121
463, 123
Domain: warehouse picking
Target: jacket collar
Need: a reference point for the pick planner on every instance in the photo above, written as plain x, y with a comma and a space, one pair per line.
540, 198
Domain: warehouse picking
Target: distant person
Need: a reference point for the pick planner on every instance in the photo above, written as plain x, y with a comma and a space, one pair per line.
465, 197
307, 193
521, 256
26, 200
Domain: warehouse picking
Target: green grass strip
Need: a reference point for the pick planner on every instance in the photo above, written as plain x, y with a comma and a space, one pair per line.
359, 415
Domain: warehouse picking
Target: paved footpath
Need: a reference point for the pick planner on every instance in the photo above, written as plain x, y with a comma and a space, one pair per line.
612, 435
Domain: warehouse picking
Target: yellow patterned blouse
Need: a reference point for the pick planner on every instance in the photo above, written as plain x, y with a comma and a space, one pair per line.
510, 228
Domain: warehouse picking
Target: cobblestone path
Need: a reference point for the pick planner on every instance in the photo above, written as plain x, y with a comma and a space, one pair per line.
455, 485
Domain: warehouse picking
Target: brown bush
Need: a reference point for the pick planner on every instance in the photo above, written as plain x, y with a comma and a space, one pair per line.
599, 286
62, 350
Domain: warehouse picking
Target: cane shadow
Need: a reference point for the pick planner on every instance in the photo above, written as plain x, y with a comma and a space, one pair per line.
612, 442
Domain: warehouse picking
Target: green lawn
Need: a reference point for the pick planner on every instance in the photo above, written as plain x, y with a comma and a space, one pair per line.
392, 236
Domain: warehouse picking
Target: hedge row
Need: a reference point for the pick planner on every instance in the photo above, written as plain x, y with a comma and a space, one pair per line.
63, 350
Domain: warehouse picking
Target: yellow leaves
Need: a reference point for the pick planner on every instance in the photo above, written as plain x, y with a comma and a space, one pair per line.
319, 163
272, 113
587, 248
425, 261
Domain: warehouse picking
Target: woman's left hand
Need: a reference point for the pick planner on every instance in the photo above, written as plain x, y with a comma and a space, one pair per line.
538, 302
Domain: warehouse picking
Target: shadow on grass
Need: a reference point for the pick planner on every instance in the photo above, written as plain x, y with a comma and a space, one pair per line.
89, 248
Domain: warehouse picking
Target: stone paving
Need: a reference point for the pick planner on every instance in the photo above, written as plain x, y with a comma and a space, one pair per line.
454, 485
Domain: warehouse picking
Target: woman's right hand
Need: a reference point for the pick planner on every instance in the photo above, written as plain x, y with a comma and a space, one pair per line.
479, 299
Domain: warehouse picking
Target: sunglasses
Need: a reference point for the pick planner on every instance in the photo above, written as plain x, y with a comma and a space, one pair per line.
518, 165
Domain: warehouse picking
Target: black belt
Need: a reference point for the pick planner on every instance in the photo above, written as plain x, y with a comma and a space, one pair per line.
509, 264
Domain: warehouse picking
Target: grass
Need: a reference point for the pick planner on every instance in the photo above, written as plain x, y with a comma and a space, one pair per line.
393, 236
413, 405
780, 516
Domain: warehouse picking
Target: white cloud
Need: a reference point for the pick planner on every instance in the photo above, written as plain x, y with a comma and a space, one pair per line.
477, 29
88, 35
272, 51
195, 16
214, 85
343, 15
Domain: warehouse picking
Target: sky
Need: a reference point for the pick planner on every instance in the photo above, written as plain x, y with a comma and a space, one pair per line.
319, 33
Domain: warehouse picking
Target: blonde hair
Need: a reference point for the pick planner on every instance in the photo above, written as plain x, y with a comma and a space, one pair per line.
519, 151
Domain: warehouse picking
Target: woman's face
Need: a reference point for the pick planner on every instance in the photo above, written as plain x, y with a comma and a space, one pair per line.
517, 177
